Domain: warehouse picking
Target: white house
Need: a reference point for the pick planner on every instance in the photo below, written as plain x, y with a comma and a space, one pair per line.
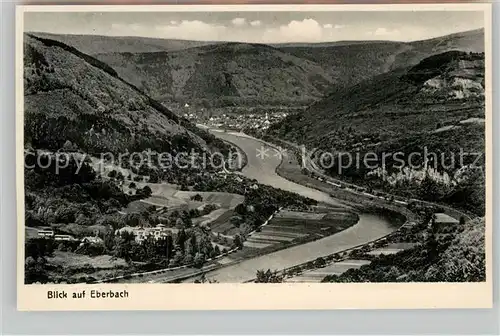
142, 233
93, 240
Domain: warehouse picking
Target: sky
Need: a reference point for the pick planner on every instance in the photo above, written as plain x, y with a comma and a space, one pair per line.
259, 27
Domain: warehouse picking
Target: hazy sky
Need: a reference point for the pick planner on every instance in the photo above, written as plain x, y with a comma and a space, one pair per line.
264, 27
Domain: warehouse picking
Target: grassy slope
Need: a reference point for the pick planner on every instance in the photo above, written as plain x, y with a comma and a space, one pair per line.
458, 258
72, 96
397, 111
469, 41
351, 62
244, 73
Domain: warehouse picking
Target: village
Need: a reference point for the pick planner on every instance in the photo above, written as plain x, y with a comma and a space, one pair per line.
257, 121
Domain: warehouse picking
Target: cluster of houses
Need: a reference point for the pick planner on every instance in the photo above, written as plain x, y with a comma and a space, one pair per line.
238, 121
142, 233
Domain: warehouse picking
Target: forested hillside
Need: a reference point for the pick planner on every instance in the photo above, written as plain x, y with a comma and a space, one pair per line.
436, 105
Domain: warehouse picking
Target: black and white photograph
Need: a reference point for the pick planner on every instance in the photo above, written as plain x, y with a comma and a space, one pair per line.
212, 147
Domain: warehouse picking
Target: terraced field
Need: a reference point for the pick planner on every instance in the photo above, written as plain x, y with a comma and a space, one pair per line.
224, 200
292, 227
319, 274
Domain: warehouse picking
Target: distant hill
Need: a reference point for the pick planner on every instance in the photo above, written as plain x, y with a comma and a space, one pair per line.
395, 103
231, 73
350, 62
73, 97
281, 74
225, 73
97, 44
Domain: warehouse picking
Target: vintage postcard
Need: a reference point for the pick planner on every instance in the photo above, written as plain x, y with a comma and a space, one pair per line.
254, 157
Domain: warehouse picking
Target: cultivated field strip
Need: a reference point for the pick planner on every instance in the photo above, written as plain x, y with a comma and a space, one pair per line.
318, 275
300, 215
256, 245
272, 237
281, 233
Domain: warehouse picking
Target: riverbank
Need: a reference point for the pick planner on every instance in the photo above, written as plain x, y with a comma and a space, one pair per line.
263, 168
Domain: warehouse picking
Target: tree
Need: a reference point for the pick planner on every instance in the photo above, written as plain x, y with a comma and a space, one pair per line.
83, 220
188, 259
192, 246
132, 185
240, 209
146, 191
186, 219
431, 244
431, 190
133, 219
179, 223
203, 279
268, 277
35, 270
199, 259
217, 250
68, 146
124, 243
237, 242
181, 239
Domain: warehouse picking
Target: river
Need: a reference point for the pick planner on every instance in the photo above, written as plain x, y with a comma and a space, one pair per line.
262, 163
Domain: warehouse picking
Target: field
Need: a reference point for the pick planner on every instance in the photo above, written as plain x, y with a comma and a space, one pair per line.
289, 228
79, 268
136, 207
173, 199
74, 260
224, 200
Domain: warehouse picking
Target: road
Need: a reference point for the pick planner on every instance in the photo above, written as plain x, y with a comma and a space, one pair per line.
262, 163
